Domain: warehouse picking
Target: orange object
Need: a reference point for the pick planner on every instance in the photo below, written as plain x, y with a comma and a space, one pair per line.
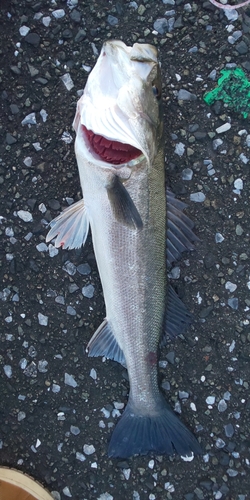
15, 485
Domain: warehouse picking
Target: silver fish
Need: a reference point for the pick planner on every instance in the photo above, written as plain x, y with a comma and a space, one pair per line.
119, 148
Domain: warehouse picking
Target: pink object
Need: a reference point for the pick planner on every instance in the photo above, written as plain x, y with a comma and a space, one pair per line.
229, 7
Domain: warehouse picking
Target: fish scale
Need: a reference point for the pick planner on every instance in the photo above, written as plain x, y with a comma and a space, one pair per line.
125, 206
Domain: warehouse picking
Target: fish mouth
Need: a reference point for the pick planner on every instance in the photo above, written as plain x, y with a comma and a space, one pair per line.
110, 151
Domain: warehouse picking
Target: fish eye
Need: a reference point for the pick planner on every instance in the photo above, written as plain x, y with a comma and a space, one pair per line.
156, 91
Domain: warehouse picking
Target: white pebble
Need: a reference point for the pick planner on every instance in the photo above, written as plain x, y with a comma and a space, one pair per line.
56, 388
42, 247
27, 161
230, 286
106, 413
223, 128
151, 464
25, 215
53, 251
238, 184
29, 119
24, 30
198, 197
179, 149
58, 14
42, 319
67, 492
69, 380
88, 449
46, 20
80, 456
222, 405
126, 473
193, 407
44, 115
210, 400
243, 158
219, 238
67, 80
8, 371
93, 374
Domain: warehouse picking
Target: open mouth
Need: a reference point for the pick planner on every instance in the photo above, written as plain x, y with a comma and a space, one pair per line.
111, 151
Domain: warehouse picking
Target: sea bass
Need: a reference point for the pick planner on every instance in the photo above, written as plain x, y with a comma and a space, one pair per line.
119, 148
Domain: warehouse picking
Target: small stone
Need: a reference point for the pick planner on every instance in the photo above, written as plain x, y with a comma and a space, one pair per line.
59, 13
161, 25
70, 268
21, 416
10, 139
81, 35
84, 269
88, 291
88, 449
242, 47
239, 230
229, 430
74, 430
230, 286
25, 215
220, 443
24, 30
69, 380
238, 184
33, 39
232, 472
80, 456
185, 95
223, 128
42, 247
46, 20
222, 405
187, 174
14, 109
210, 400
93, 374
219, 238
56, 388
8, 371
198, 197
112, 20
31, 370
67, 80
67, 492
42, 319
42, 366
29, 119
233, 303
71, 311
179, 149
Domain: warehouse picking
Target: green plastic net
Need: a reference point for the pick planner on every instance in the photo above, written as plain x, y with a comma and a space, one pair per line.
233, 89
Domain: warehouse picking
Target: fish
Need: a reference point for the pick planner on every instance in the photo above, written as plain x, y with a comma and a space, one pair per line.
119, 148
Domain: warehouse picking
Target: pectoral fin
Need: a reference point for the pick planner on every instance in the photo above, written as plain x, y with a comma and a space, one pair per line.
104, 343
122, 204
71, 227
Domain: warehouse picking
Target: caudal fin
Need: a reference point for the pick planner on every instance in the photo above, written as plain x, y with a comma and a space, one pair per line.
163, 434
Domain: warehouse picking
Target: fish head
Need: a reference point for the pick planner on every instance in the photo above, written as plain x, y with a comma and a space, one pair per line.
118, 117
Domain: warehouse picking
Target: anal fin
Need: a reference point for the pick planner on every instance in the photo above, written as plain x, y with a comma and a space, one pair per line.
104, 343
71, 227
122, 204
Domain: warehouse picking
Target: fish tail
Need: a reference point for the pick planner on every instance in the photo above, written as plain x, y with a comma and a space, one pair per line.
163, 433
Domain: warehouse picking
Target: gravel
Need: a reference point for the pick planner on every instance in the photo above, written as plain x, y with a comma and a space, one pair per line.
58, 406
